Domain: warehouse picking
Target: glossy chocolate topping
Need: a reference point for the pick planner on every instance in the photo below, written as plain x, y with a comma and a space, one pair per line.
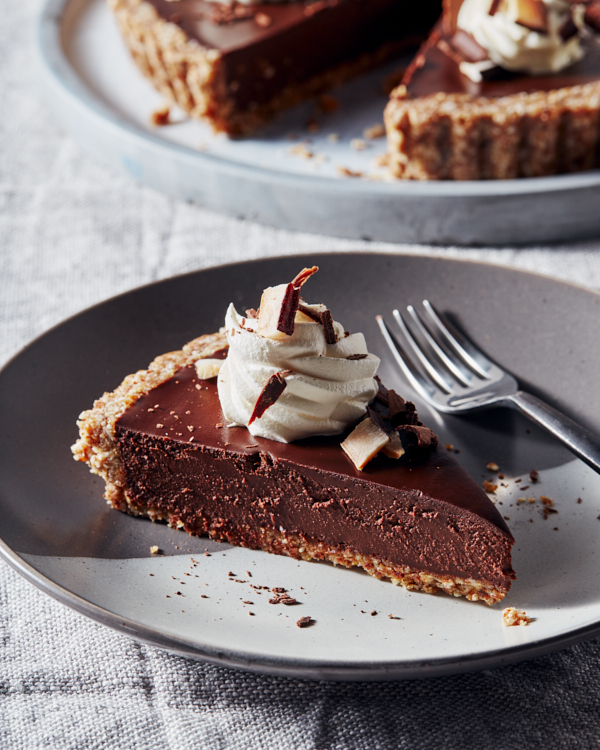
287, 43
433, 70
426, 512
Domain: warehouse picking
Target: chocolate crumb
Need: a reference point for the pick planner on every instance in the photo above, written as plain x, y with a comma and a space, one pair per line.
203, 596
393, 617
251, 614
231, 575
246, 602
579, 500
161, 116
373, 613
249, 574
304, 622
206, 554
179, 593
534, 475
354, 357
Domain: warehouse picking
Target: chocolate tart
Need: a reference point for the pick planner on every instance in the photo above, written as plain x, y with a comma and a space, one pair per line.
443, 126
237, 66
161, 443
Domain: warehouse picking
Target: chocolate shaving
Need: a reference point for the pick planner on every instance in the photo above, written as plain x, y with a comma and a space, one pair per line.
304, 622
495, 7
279, 305
418, 436
324, 318
304, 276
310, 313
329, 330
278, 308
252, 313
273, 389
355, 357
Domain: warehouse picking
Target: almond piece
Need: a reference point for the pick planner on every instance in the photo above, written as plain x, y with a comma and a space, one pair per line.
208, 368
394, 448
364, 443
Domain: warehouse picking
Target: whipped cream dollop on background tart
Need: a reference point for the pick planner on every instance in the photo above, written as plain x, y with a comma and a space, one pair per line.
276, 435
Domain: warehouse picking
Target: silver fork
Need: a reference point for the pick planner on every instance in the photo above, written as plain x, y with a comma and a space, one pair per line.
452, 375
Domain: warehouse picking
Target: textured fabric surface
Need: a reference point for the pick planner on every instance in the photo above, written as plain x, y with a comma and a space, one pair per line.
72, 234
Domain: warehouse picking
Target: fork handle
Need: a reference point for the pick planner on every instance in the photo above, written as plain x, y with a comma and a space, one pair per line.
580, 441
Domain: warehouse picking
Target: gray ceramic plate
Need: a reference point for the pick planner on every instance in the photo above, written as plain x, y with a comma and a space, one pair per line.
104, 102
60, 534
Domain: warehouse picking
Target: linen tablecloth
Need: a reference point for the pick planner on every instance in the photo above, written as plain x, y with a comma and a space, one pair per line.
72, 234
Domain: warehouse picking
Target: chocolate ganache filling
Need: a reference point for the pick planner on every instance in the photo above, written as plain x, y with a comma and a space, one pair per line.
437, 68
424, 511
270, 46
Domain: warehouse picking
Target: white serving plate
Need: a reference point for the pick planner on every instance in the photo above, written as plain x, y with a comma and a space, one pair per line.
58, 531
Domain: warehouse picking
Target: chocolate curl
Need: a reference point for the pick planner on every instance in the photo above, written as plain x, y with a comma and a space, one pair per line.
310, 313
273, 389
277, 314
325, 319
279, 305
329, 330
304, 276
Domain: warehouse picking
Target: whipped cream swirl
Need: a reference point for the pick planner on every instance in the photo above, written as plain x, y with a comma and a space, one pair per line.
517, 48
325, 391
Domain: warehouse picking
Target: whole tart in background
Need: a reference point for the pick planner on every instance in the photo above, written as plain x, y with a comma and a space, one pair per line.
444, 123
236, 65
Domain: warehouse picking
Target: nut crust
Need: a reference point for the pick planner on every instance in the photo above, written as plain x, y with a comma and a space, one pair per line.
465, 137
97, 446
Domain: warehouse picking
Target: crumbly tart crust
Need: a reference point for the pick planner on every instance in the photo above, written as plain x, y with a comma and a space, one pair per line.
97, 446
465, 137
192, 77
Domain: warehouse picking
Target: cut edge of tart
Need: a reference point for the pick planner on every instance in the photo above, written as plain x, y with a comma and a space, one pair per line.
98, 446
193, 75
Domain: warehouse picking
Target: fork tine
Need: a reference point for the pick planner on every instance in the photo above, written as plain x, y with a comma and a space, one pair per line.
416, 354
464, 348
456, 368
419, 382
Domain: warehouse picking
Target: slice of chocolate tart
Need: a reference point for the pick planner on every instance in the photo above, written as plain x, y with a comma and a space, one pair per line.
235, 65
166, 451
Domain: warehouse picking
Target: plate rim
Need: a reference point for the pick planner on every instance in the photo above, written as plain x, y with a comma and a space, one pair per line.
290, 666
58, 69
